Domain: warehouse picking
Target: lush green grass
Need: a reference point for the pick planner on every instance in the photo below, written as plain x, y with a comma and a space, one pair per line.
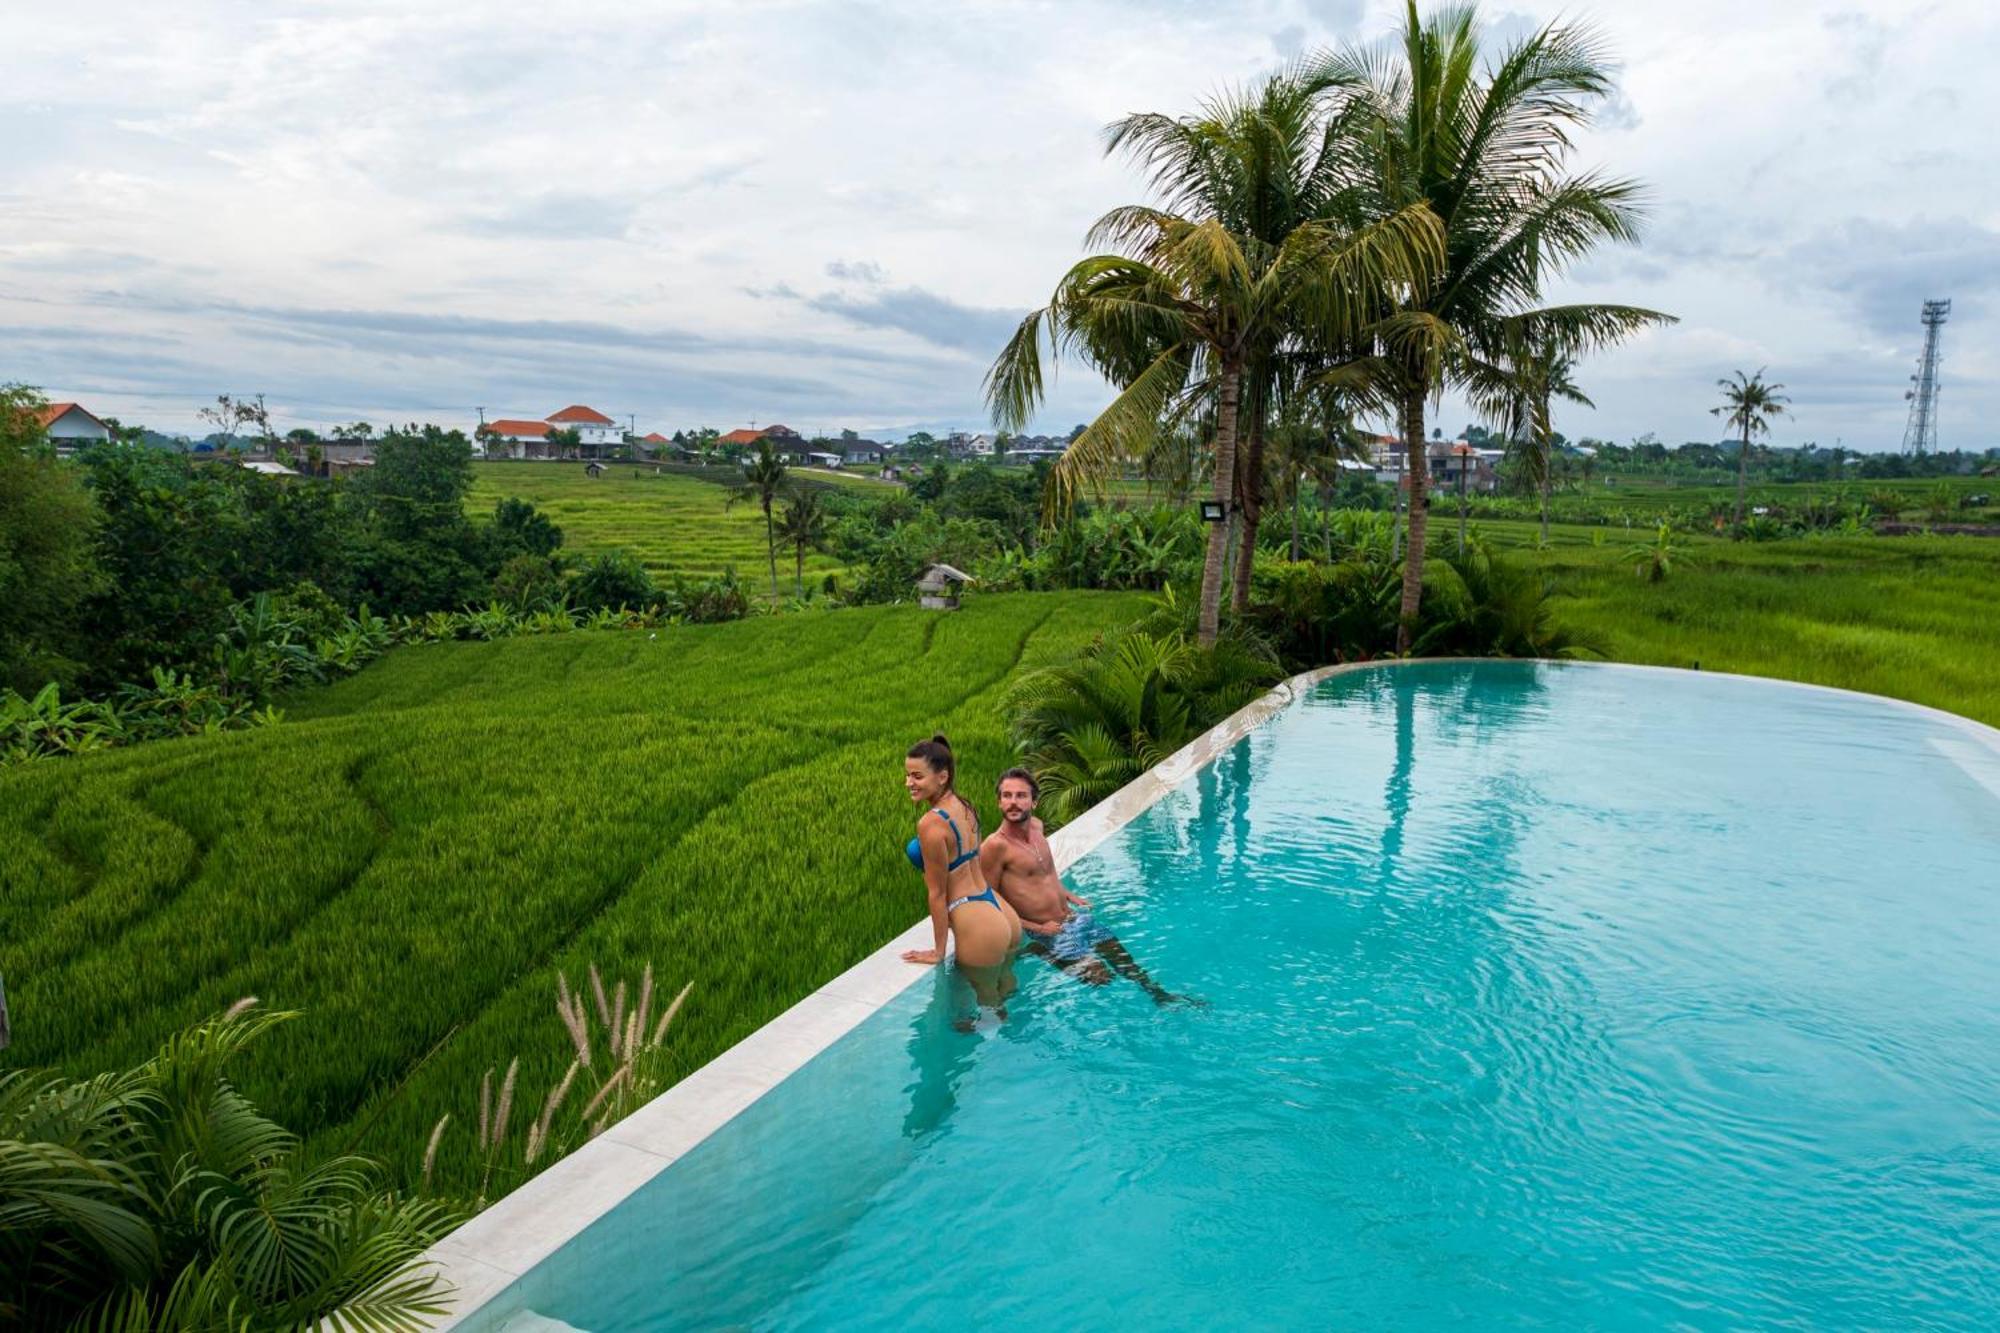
413, 854
1912, 617
674, 523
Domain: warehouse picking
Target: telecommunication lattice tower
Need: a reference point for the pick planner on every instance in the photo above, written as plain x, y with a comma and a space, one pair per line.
1920, 435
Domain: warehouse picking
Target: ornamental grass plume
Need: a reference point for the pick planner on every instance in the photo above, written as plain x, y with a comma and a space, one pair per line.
631, 1034
597, 986
538, 1133
431, 1149
569, 1008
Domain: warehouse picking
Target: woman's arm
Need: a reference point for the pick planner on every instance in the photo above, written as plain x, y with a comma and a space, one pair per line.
930, 840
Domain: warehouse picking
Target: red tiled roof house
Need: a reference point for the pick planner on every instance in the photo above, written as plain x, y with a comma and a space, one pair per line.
525, 437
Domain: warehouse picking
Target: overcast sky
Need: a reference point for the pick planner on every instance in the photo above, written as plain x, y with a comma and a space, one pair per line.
831, 214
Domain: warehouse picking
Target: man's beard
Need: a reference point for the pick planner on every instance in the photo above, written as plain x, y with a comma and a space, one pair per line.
1017, 816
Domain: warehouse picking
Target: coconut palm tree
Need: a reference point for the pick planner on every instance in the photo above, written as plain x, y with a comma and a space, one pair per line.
1749, 405
1263, 162
1177, 313
1484, 146
763, 480
803, 526
1517, 394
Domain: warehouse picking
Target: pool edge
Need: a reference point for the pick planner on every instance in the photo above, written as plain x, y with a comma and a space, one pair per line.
492, 1251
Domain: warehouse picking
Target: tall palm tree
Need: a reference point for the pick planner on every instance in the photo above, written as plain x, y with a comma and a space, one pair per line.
1485, 147
1749, 405
1517, 395
763, 479
1176, 314
1263, 162
804, 527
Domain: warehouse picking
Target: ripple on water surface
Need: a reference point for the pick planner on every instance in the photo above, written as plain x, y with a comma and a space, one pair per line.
1534, 995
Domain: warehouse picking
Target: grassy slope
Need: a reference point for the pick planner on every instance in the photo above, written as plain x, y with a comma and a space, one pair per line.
674, 524
416, 850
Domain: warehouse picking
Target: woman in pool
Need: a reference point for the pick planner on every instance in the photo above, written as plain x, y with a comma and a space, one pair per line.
946, 849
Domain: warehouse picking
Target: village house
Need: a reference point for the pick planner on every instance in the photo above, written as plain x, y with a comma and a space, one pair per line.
595, 432
782, 438
1447, 462
527, 437
68, 425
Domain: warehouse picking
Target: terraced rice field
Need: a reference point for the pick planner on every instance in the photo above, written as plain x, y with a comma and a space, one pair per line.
674, 524
413, 853
1909, 617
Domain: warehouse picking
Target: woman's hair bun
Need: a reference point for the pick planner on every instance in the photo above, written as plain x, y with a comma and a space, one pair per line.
938, 736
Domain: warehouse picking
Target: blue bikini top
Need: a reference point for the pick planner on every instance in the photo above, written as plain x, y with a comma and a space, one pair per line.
915, 850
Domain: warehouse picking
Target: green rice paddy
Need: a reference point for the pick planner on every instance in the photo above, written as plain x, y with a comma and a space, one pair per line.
674, 523
413, 854
1911, 617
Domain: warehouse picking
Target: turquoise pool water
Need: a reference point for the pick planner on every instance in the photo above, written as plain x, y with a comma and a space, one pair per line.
1535, 995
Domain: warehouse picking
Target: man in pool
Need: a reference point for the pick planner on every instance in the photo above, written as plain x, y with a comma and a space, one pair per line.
1055, 923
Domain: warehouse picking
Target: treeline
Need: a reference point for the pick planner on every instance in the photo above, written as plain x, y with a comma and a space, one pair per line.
127, 560
1701, 462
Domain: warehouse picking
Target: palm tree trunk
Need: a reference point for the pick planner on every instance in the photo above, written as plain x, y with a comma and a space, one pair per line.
1253, 512
1225, 494
1742, 471
800, 570
1297, 487
771, 549
1543, 443
1413, 561
1396, 510
1461, 506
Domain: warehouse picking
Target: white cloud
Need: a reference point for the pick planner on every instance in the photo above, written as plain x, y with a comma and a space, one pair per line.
368, 208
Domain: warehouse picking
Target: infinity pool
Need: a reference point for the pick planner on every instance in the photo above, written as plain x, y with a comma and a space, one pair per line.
1534, 995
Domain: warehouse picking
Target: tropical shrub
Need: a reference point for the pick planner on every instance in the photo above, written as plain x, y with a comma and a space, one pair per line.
1481, 605
159, 1198
898, 558
1122, 549
529, 580
611, 580
1476, 604
1318, 614
1132, 697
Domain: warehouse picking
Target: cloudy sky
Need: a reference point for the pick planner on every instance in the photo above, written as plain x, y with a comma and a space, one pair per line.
831, 214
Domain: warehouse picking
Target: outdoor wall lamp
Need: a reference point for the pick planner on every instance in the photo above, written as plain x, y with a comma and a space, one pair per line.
1214, 511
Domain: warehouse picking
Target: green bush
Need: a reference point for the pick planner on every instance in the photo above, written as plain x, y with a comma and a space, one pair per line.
159, 1198
611, 580
1089, 725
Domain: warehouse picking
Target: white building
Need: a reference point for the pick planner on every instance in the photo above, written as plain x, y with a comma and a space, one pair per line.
528, 437
593, 429
67, 425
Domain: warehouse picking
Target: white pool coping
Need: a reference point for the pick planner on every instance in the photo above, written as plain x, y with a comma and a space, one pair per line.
495, 1249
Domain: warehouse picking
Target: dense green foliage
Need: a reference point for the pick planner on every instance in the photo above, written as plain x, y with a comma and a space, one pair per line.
1089, 725
160, 1198
416, 852
45, 545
